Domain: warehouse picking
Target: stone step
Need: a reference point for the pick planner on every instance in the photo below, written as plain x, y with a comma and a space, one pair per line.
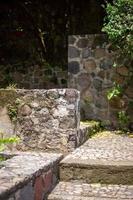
106, 160
83, 191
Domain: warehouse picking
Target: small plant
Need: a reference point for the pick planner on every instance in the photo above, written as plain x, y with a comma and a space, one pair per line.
12, 112
5, 141
12, 86
114, 92
123, 119
95, 127
13, 109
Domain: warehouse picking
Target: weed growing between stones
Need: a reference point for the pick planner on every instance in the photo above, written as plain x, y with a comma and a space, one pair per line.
96, 126
5, 141
12, 86
13, 110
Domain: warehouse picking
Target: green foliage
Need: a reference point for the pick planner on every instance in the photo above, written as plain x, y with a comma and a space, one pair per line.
11, 86
119, 26
6, 140
13, 109
95, 127
12, 112
114, 92
131, 104
123, 119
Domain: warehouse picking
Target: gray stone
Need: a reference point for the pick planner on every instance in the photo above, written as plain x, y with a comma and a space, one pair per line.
25, 110
82, 43
68, 122
87, 53
52, 94
71, 39
97, 84
27, 193
73, 67
106, 64
84, 80
73, 52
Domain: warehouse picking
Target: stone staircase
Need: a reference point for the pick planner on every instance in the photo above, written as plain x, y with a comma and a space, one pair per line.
101, 169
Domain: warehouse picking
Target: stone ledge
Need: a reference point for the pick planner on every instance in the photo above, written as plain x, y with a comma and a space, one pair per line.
28, 172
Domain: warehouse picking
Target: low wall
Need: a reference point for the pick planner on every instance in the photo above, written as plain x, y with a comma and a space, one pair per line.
90, 68
29, 176
33, 76
45, 120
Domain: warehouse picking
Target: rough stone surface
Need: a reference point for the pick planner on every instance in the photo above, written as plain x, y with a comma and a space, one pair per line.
82, 191
82, 43
97, 84
96, 61
73, 52
29, 176
90, 65
71, 39
31, 76
73, 67
106, 160
84, 80
44, 119
106, 64
87, 52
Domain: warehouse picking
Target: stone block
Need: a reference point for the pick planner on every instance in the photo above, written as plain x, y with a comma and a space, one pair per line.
97, 84
106, 64
73, 67
99, 53
73, 52
82, 43
26, 193
84, 80
90, 65
71, 39
87, 52
123, 71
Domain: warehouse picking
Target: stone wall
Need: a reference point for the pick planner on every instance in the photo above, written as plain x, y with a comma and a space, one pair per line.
90, 62
33, 76
29, 176
45, 120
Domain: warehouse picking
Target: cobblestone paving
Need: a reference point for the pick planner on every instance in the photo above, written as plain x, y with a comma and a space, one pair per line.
83, 191
100, 160
114, 148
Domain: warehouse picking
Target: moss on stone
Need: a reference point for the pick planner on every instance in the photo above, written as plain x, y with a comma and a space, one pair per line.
7, 97
90, 123
103, 134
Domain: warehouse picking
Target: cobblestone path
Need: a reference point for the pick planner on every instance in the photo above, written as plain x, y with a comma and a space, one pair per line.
101, 169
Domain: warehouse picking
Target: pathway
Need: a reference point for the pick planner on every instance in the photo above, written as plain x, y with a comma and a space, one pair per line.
101, 169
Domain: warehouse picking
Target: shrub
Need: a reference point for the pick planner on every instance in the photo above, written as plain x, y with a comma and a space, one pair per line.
119, 28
